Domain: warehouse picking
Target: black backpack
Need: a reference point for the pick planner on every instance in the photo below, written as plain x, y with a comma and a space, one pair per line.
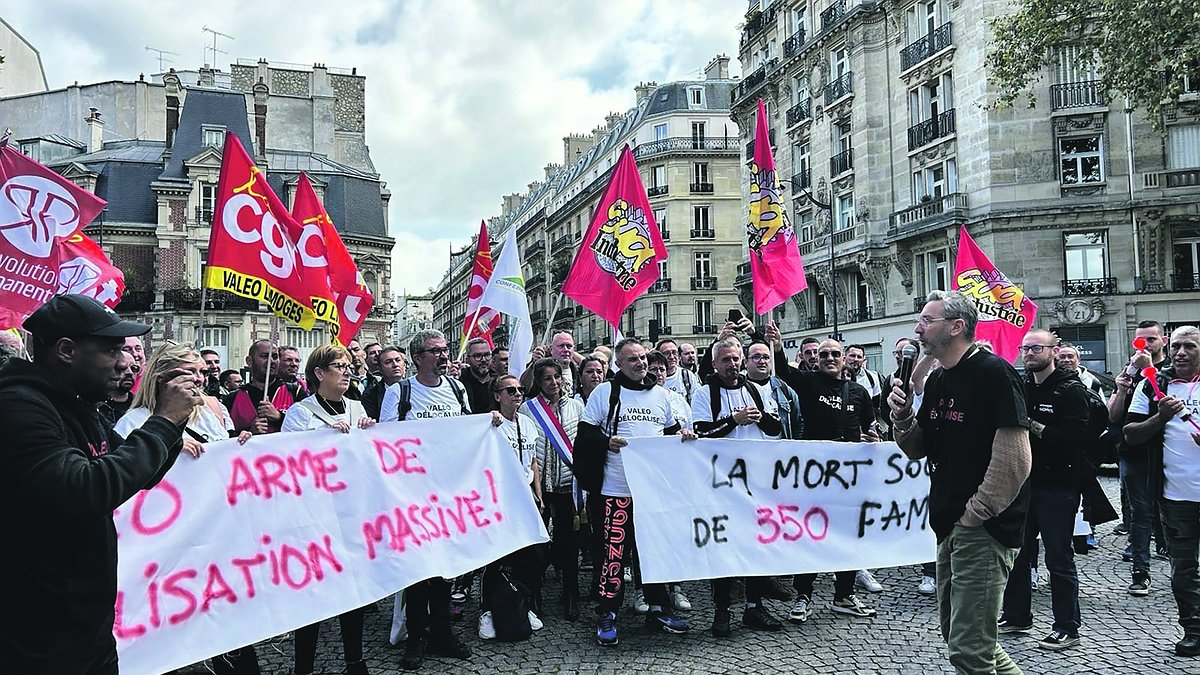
404, 405
1100, 442
510, 609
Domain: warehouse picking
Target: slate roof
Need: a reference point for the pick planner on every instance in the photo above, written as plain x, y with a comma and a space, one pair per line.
674, 96
126, 169
353, 202
206, 107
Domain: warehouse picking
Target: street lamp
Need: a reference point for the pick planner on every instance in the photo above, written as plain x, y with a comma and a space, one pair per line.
822, 190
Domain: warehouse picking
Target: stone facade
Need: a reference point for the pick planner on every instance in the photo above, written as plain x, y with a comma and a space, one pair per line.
886, 106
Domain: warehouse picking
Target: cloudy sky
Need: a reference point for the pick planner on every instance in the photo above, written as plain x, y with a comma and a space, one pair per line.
466, 100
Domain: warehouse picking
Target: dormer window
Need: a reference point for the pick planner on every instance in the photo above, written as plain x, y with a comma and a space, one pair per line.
695, 97
214, 137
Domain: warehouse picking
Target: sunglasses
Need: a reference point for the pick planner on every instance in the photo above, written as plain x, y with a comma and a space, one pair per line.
511, 391
829, 354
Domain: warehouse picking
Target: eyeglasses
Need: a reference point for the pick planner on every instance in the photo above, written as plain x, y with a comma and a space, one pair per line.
436, 351
1034, 349
760, 357
484, 355
926, 320
511, 391
829, 354
344, 367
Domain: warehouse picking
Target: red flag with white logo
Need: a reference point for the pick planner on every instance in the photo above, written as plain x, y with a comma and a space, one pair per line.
38, 208
776, 267
84, 268
251, 249
481, 273
324, 253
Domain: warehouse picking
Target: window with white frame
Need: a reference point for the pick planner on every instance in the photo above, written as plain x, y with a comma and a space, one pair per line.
924, 18
841, 137
662, 270
844, 211
660, 315
208, 200
933, 271
935, 182
695, 97
700, 221
1185, 250
700, 172
798, 20
931, 99
1086, 254
1183, 146
658, 175
839, 63
702, 264
216, 338
214, 136
704, 313
800, 89
698, 133
306, 340
660, 217
660, 132
804, 221
1081, 159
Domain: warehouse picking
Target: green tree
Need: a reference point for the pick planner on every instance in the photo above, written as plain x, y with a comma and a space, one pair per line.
1141, 48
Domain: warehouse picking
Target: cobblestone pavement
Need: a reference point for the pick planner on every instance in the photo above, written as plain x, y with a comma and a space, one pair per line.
1120, 633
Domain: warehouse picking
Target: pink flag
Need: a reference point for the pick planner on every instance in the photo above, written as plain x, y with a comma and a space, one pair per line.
775, 263
1005, 313
619, 257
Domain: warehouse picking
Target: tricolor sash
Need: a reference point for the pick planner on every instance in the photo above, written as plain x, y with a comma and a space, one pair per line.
547, 419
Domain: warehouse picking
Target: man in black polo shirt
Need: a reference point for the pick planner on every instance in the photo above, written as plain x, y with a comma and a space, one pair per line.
477, 376
973, 427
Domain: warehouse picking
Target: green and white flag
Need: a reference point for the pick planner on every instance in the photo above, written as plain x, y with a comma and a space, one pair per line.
505, 293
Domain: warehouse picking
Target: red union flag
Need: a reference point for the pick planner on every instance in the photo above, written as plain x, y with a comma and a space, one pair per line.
619, 257
84, 268
251, 250
775, 264
338, 293
38, 208
480, 274
1005, 313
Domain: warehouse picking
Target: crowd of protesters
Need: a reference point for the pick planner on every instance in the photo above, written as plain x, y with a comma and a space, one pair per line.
1013, 465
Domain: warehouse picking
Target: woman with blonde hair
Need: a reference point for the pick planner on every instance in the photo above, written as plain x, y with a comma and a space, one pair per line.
209, 421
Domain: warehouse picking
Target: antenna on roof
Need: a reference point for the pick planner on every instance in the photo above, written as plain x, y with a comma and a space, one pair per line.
160, 53
215, 51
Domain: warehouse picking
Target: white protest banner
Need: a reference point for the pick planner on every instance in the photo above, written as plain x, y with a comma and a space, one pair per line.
248, 542
724, 508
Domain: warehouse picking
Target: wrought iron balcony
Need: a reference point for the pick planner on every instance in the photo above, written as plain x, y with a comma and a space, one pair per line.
1100, 286
565, 319
815, 322
752, 81
802, 180
841, 162
953, 205
662, 285
793, 44
858, 314
833, 13
750, 145
188, 299
664, 330
799, 112
924, 133
561, 243
1181, 281
925, 47
700, 188
704, 330
838, 88
703, 233
686, 144
1076, 95
537, 316
656, 191
204, 215
535, 281
136, 301
537, 248
704, 283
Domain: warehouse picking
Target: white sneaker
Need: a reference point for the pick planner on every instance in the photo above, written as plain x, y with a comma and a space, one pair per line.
487, 631
639, 603
628, 576
534, 622
865, 580
800, 611
928, 586
680, 600
1033, 579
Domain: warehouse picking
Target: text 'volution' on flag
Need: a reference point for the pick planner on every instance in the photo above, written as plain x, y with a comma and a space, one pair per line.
251, 250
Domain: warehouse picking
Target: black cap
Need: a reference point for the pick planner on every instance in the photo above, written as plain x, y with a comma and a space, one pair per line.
79, 316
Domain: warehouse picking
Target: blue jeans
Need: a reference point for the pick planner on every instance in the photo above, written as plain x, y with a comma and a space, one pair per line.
1052, 514
1134, 478
1181, 523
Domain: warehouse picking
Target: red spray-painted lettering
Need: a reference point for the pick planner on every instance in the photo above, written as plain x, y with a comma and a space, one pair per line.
272, 474
394, 457
776, 521
417, 524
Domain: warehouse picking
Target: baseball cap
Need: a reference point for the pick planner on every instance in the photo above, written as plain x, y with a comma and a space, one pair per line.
79, 316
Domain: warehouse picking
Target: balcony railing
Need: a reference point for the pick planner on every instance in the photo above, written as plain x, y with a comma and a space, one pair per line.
751, 81
845, 235
661, 286
925, 47
656, 191
561, 244
704, 330
799, 112
953, 204
189, 299
703, 233
136, 301
535, 249
802, 180
666, 234
664, 330
750, 145
537, 316
204, 215
841, 162
1076, 95
685, 144
1100, 286
858, 314
924, 133
700, 188
1182, 281
704, 283
838, 88
815, 322
534, 281
793, 44
833, 13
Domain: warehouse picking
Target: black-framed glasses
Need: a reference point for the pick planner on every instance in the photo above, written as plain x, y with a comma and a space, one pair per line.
760, 357
829, 354
436, 351
484, 355
1034, 349
511, 391
344, 367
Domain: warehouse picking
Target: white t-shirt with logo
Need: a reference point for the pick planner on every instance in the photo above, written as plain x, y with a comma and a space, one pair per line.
639, 413
427, 402
1181, 470
735, 399
676, 384
530, 436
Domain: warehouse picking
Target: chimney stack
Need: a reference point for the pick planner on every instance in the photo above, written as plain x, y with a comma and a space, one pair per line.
96, 129
643, 89
718, 68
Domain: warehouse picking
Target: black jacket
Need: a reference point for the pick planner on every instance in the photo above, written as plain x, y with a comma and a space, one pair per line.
1060, 403
66, 474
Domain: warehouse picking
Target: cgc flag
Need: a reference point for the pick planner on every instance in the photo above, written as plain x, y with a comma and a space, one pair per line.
251, 249
619, 257
310, 218
480, 275
1005, 313
775, 264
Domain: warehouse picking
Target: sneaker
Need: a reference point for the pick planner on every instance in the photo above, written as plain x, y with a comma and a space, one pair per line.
639, 603
1140, 585
800, 610
1127, 554
1058, 640
665, 621
1033, 579
852, 606
758, 618
680, 600
448, 644
866, 581
1188, 646
534, 622
1091, 542
1121, 530
928, 586
721, 618
606, 630
628, 576
487, 630
414, 653
1006, 626
458, 594
1162, 553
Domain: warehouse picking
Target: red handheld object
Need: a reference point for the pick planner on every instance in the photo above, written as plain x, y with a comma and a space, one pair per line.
1151, 373
1139, 343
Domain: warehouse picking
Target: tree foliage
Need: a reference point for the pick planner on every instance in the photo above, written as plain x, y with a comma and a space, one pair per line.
1141, 48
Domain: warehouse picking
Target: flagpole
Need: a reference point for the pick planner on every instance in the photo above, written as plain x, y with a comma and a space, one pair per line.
271, 344
462, 346
550, 321
203, 302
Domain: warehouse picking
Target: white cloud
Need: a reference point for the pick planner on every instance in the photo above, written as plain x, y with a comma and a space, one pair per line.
466, 100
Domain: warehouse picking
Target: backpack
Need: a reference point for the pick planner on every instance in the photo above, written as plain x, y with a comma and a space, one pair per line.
404, 391
510, 609
1100, 442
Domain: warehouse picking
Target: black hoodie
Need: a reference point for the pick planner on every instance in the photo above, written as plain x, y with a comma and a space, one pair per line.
1060, 403
66, 473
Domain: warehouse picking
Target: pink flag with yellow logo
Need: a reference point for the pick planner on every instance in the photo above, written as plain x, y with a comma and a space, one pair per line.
619, 257
1005, 313
775, 263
